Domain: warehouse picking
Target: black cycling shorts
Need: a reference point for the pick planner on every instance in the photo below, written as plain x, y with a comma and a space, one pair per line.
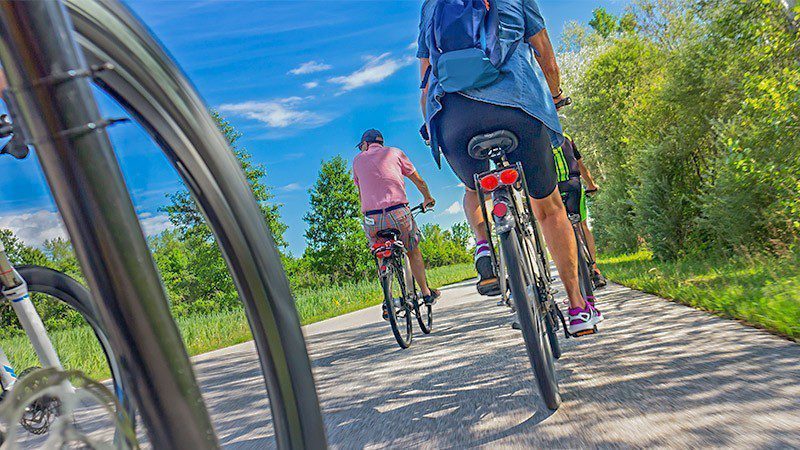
462, 118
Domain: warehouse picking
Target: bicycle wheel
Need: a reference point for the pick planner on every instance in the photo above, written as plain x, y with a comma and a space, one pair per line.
423, 312
551, 324
151, 87
525, 294
394, 299
584, 272
546, 302
424, 315
47, 285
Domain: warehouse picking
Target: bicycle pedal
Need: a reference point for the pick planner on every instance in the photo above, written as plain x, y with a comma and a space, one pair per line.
586, 332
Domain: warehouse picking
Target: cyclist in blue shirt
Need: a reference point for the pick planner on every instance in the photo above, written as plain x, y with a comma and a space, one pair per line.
522, 100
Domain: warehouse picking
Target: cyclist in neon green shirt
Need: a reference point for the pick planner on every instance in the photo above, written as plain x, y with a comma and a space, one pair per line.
570, 169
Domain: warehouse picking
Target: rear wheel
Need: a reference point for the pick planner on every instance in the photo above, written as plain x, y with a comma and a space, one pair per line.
394, 298
525, 294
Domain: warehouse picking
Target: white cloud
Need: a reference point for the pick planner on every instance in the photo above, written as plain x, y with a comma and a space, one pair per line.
453, 209
154, 224
291, 187
36, 227
374, 71
311, 84
278, 113
310, 67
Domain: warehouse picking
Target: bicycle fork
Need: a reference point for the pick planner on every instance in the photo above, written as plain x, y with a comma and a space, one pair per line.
15, 290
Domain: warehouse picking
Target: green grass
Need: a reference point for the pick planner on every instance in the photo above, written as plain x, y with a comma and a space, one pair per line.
78, 347
762, 291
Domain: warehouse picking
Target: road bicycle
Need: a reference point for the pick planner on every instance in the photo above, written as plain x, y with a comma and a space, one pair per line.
401, 299
523, 261
50, 51
23, 287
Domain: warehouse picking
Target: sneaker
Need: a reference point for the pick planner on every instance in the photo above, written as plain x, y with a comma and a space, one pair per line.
598, 280
430, 300
488, 283
589, 299
583, 319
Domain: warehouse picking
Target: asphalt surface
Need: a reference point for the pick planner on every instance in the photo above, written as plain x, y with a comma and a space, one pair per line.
658, 375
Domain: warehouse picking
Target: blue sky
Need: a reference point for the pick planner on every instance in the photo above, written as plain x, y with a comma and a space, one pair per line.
301, 79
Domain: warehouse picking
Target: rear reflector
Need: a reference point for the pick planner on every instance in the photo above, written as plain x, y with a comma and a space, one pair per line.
500, 209
509, 176
490, 182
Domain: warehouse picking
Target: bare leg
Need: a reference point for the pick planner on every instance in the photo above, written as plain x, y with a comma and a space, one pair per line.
418, 269
590, 243
558, 233
472, 209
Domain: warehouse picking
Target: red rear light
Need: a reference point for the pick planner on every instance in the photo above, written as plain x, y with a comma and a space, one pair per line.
490, 182
500, 209
509, 176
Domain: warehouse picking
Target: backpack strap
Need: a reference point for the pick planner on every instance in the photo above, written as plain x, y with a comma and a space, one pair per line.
426, 77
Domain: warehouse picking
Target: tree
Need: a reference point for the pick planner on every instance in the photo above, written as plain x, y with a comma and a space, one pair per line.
20, 253
603, 22
62, 257
337, 246
185, 215
190, 262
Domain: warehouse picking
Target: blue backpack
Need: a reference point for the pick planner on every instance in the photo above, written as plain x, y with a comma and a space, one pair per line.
465, 48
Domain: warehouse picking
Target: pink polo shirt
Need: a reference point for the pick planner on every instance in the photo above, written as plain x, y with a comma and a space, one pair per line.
379, 172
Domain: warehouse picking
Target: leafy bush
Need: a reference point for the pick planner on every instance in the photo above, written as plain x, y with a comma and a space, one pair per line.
444, 247
689, 118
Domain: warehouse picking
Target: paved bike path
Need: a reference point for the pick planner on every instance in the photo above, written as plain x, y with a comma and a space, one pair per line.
659, 374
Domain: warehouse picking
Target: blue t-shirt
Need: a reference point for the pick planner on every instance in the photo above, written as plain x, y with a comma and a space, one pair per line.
521, 83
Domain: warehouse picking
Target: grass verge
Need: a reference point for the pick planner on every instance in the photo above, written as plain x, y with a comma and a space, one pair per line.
762, 291
78, 348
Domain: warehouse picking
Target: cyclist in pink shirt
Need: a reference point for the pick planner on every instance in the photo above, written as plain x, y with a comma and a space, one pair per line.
380, 172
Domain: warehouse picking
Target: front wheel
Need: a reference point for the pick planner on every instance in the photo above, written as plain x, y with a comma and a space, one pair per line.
525, 294
584, 271
50, 286
394, 298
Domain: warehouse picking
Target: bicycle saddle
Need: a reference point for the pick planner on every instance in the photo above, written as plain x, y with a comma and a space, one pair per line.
486, 146
389, 233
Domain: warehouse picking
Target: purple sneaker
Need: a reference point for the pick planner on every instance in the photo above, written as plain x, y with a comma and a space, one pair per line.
583, 319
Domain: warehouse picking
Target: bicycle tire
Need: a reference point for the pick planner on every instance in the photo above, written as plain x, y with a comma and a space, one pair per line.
584, 273
387, 282
58, 285
550, 320
426, 324
539, 351
552, 334
150, 86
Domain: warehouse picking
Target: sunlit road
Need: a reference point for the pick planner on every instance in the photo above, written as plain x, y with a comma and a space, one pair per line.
660, 374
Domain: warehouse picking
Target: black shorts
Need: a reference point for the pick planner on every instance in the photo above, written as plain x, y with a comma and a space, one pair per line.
462, 118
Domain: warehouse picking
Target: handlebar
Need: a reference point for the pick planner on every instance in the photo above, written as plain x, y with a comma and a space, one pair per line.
566, 101
421, 208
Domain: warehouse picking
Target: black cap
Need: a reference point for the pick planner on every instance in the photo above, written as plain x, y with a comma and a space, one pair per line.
370, 136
